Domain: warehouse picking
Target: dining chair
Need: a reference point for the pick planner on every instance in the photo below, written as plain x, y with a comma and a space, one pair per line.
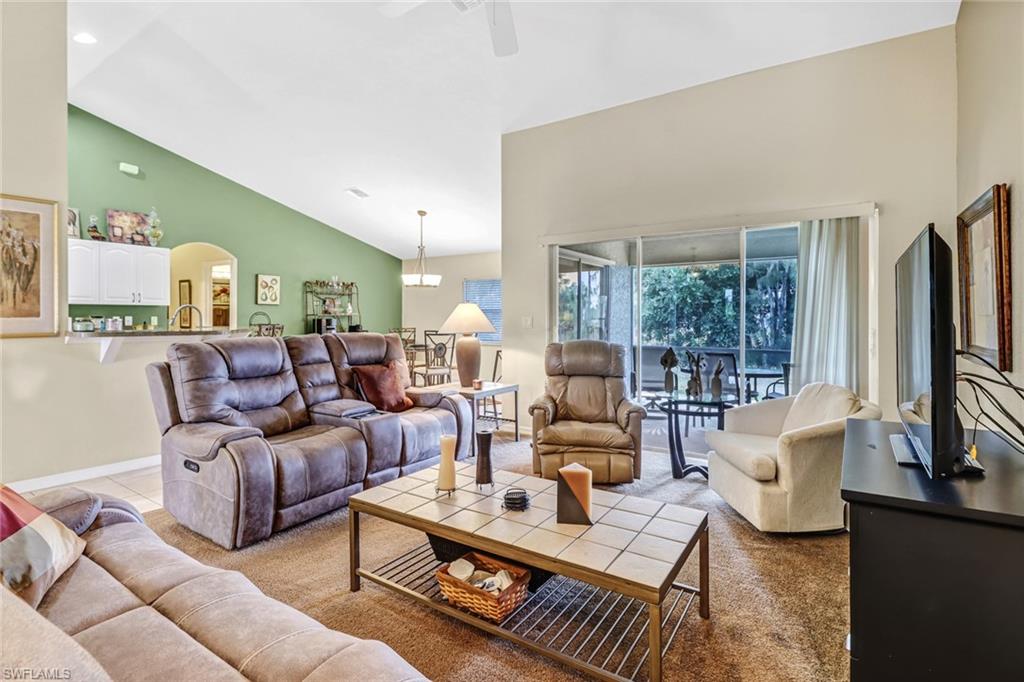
769, 394
437, 363
408, 338
495, 377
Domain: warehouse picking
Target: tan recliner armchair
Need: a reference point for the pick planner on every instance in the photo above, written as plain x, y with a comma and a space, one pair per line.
779, 462
585, 416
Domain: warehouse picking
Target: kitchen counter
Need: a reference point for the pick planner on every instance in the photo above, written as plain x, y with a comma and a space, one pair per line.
110, 342
126, 333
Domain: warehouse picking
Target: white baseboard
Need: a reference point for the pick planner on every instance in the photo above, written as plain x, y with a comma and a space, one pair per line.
69, 477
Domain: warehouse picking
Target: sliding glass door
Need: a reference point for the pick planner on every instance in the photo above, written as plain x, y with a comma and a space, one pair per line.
597, 294
770, 257
728, 296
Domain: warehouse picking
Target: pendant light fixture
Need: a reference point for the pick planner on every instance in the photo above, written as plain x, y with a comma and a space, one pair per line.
420, 278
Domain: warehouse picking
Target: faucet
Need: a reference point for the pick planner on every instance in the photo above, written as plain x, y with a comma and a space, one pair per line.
174, 317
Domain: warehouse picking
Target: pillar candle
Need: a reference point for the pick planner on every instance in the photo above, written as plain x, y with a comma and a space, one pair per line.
446, 470
575, 482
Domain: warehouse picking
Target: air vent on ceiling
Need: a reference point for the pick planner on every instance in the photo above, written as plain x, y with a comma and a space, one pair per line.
356, 192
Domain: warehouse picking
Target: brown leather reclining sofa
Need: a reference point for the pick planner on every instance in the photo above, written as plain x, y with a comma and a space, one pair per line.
260, 434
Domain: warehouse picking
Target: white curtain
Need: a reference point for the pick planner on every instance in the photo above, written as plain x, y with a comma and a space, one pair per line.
825, 331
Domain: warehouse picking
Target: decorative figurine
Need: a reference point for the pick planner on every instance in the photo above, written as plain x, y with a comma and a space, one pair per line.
94, 231
153, 233
669, 361
716, 380
695, 386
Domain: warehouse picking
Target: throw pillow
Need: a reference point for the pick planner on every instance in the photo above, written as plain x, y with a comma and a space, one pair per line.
35, 548
382, 387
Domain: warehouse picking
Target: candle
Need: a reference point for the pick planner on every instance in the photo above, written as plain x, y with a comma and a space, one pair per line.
446, 470
574, 493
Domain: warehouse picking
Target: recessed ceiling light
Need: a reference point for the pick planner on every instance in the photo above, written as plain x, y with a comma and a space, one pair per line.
356, 192
84, 38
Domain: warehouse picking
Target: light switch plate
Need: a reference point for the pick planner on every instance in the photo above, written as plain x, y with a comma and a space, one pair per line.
527, 321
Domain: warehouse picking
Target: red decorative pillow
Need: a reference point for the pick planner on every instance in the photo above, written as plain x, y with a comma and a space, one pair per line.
382, 386
35, 548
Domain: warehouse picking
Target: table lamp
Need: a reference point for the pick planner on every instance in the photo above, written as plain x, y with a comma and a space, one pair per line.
467, 319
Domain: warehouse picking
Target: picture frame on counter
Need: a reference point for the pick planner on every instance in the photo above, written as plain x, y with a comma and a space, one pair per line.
28, 269
127, 227
74, 223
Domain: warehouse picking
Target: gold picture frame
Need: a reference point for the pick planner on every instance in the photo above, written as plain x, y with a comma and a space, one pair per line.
986, 301
29, 266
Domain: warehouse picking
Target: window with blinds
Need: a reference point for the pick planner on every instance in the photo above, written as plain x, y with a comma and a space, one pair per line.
486, 293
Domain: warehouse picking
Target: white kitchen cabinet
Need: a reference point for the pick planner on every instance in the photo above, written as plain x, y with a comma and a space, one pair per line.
83, 271
153, 275
118, 274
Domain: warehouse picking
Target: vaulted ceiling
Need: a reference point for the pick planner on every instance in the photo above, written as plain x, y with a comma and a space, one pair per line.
299, 101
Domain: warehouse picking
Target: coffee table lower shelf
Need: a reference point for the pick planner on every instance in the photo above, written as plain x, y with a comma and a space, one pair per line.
598, 631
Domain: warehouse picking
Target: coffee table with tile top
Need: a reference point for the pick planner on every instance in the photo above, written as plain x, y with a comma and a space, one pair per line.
614, 596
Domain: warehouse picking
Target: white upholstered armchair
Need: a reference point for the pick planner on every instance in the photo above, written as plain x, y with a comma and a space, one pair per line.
778, 462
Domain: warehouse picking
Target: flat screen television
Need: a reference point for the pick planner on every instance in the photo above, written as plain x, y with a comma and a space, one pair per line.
926, 354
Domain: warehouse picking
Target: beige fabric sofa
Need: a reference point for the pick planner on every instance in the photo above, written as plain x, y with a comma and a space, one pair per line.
778, 462
134, 608
584, 416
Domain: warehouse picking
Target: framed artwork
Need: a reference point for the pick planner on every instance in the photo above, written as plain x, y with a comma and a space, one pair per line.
74, 224
221, 292
185, 296
127, 227
28, 266
268, 290
983, 250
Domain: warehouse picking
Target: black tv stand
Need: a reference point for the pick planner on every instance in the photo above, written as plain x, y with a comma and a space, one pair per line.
931, 560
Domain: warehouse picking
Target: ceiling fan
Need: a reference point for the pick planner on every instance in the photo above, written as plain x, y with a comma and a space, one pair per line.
498, 13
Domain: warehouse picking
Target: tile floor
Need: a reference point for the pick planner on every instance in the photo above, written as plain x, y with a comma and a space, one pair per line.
141, 487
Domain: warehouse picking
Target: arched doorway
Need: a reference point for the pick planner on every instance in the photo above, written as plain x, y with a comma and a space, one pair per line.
206, 276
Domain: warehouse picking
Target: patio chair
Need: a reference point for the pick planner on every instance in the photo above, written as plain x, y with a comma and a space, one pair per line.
770, 394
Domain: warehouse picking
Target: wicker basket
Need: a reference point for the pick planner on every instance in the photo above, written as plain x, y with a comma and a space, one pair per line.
493, 607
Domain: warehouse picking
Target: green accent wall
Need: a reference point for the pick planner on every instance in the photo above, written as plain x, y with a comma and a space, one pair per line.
197, 205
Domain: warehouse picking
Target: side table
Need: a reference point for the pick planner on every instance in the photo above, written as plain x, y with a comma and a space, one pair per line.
476, 396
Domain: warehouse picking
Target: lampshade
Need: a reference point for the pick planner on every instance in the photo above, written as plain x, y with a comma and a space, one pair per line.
418, 279
467, 318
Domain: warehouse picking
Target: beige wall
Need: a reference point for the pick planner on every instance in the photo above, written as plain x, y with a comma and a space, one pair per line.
429, 308
60, 410
990, 134
875, 123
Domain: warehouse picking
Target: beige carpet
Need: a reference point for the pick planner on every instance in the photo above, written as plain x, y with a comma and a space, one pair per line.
779, 604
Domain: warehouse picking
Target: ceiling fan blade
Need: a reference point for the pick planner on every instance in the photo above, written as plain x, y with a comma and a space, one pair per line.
503, 29
393, 9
